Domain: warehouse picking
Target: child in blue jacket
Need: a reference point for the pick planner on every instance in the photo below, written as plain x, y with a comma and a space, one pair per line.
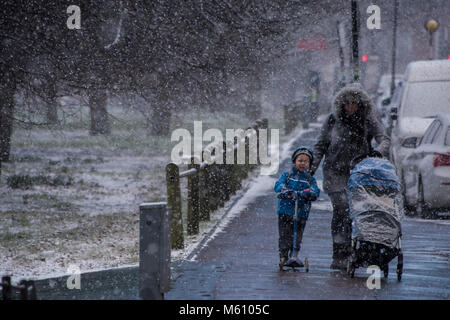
297, 183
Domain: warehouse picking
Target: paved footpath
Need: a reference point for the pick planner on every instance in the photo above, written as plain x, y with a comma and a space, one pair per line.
242, 262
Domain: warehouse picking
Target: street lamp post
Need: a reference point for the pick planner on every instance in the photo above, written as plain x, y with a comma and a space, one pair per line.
355, 36
431, 26
394, 46
341, 45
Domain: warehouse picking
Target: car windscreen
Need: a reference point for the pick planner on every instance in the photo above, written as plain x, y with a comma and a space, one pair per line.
425, 99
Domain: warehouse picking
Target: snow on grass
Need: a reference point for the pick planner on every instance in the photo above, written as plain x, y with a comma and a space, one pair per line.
93, 222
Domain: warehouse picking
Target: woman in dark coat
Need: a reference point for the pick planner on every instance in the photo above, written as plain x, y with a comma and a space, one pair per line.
346, 134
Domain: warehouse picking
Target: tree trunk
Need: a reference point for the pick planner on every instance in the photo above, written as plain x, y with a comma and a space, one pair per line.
7, 90
99, 116
160, 122
254, 107
51, 103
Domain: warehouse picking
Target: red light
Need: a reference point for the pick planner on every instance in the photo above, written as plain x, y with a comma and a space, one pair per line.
441, 159
364, 58
449, 57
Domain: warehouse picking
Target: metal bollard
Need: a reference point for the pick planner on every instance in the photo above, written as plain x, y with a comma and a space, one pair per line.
154, 250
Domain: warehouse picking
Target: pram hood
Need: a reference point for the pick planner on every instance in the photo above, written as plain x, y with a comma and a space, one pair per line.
375, 172
375, 201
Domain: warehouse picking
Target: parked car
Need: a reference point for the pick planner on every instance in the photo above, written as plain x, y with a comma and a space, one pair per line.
427, 169
384, 92
426, 93
392, 105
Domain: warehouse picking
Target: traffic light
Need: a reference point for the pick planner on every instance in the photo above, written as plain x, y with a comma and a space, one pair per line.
364, 58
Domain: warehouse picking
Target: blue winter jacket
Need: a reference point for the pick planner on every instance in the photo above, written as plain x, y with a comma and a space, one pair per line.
297, 181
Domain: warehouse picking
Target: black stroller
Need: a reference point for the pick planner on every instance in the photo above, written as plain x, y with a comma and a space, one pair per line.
375, 203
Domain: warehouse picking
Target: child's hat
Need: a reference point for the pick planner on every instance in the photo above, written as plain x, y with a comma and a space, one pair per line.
303, 150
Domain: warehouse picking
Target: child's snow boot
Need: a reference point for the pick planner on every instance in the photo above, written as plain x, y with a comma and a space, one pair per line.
282, 262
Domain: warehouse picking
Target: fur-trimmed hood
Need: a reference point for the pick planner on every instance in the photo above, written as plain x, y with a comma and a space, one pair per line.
343, 138
352, 92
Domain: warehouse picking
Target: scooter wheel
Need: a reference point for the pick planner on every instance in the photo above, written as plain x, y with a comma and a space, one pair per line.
386, 270
306, 265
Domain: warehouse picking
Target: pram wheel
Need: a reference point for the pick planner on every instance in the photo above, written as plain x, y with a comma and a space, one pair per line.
386, 270
399, 265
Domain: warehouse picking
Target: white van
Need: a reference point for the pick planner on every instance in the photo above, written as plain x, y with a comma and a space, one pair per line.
426, 93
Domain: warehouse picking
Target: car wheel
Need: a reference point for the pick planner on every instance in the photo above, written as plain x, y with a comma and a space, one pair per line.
409, 210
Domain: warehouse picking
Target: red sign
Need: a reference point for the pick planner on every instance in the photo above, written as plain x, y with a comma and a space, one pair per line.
312, 44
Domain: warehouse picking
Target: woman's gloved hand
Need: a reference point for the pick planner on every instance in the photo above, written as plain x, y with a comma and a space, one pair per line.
375, 154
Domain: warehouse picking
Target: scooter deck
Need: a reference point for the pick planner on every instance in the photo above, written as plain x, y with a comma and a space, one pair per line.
294, 265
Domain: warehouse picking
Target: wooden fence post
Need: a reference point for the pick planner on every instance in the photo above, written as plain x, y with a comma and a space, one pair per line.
258, 126
27, 290
265, 123
212, 182
193, 200
219, 178
204, 193
287, 117
236, 169
174, 204
226, 174
247, 155
253, 166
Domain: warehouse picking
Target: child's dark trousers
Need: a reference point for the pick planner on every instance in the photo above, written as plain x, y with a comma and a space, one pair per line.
286, 234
